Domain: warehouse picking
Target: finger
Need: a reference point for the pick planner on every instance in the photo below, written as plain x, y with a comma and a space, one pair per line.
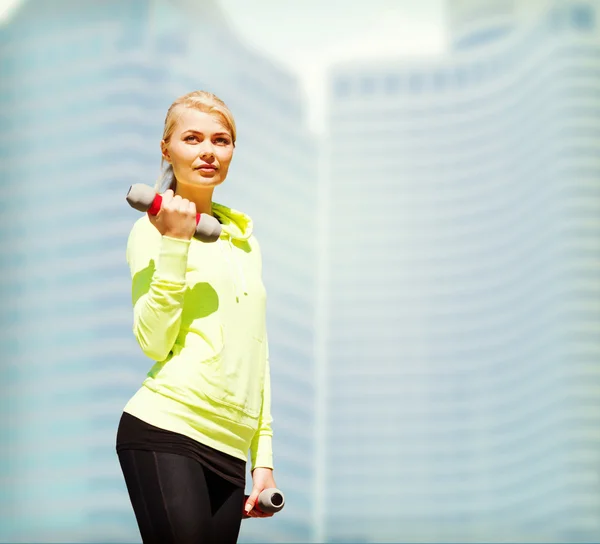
173, 204
249, 508
259, 514
184, 206
251, 501
192, 209
255, 513
167, 197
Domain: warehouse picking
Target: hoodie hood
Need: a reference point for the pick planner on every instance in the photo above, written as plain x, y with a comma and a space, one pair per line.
235, 225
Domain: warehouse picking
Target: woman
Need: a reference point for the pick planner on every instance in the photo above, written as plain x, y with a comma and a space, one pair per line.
199, 313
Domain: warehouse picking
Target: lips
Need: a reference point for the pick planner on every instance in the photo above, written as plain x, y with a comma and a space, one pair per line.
206, 167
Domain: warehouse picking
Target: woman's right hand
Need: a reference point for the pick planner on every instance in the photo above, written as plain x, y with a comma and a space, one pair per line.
176, 217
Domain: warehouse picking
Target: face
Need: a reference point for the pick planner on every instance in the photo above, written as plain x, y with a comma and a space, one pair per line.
200, 148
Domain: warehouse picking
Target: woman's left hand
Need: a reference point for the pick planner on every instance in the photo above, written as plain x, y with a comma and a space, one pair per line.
262, 478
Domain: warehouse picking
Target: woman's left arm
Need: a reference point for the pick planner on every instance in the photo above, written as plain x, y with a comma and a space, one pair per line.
261, 449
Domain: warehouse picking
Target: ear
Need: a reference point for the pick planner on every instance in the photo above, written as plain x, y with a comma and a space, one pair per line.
165, 152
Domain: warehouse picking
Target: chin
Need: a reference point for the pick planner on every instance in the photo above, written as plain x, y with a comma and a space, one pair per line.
201, 181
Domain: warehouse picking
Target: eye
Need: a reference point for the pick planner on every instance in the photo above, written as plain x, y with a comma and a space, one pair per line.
222, 141
191, 138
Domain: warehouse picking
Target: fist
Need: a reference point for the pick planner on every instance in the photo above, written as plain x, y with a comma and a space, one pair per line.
262, 478
176, 217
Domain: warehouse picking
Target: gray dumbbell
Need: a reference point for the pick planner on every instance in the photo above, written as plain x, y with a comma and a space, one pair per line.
270, 501
144, 199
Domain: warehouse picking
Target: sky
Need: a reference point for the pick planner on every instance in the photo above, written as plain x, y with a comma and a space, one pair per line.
310, 35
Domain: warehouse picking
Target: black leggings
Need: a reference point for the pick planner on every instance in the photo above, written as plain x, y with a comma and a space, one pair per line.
178, 501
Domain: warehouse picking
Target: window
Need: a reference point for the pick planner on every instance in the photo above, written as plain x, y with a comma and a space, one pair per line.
482, 37
391, 83
416, 82
341, 88
367, 85
582, 17
556, 20
172, 44
439, 80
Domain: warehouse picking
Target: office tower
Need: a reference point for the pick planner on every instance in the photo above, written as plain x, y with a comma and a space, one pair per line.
85, 91
462, 329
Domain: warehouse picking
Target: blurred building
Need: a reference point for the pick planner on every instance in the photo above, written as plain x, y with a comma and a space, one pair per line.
84, 93
462, 285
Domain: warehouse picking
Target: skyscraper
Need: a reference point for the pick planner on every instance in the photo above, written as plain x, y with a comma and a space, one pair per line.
462, 286
85, 91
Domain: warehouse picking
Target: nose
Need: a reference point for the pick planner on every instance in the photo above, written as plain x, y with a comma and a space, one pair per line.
206, 152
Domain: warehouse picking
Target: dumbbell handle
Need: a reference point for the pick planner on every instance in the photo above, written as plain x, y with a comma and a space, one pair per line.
144, 199
270, 501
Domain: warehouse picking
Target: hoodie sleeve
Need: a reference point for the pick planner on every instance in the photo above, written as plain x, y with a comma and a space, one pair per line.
261, 449
158, 265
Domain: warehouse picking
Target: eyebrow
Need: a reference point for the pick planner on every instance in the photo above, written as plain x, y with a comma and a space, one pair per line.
199, 132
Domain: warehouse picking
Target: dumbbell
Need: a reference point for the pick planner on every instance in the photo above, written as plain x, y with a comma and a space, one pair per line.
144, 199
270, 501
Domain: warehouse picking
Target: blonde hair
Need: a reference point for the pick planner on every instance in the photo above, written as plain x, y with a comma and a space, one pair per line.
199, 100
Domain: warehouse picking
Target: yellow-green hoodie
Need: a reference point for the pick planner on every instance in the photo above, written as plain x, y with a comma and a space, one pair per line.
200, 313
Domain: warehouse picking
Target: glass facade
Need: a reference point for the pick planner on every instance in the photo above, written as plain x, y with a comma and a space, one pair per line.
462, 339
85, 91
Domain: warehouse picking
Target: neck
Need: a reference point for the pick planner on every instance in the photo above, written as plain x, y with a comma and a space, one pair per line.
201, 196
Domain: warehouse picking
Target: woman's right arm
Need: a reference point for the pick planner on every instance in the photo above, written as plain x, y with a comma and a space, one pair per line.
157, 257
158, 286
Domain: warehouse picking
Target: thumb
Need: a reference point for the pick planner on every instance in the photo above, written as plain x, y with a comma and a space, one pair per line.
251, 501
